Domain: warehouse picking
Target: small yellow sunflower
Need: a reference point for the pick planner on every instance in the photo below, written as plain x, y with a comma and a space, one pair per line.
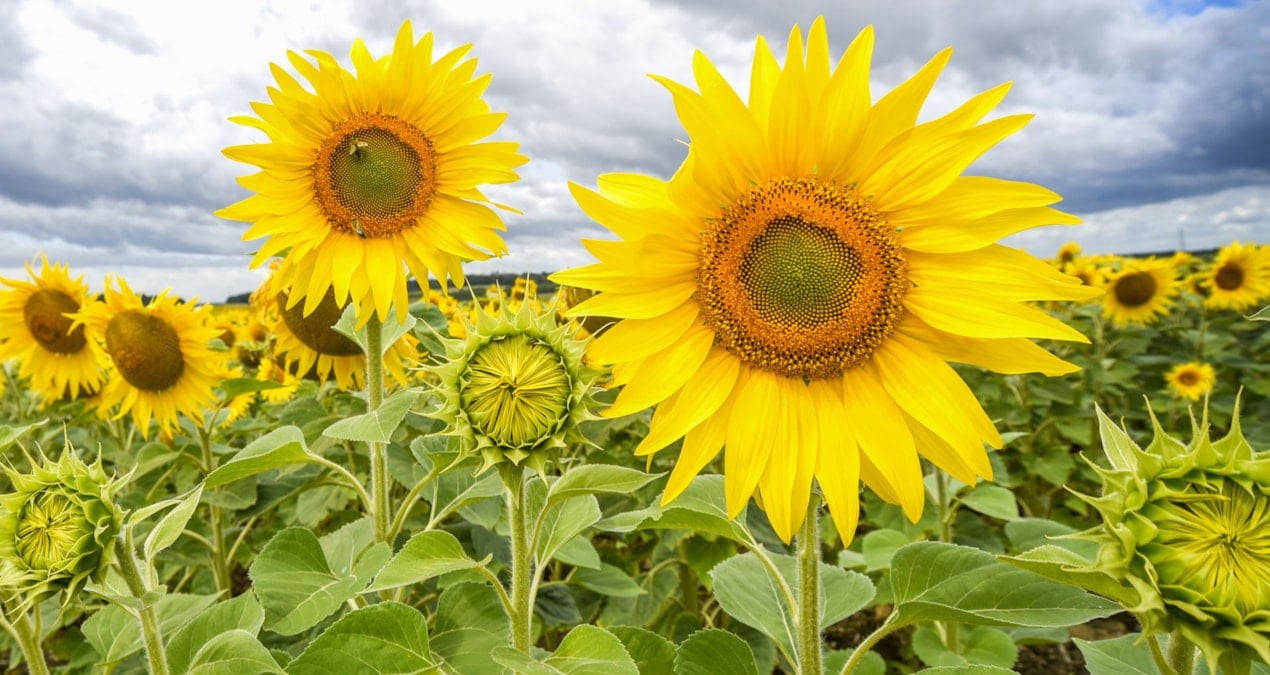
1191, 380
270, 371
163, 365
795, 291
1068, 252
1239, 278
56, 359
1140, 293
372, 169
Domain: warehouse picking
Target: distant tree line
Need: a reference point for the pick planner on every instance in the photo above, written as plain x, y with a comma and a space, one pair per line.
477, 282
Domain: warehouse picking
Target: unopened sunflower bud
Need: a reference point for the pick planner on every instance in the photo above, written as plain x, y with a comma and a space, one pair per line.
515, 388
1187, 527
57, 526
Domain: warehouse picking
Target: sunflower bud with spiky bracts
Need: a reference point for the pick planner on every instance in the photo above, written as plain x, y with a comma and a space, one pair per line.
1186, 529
515, 389
58, 524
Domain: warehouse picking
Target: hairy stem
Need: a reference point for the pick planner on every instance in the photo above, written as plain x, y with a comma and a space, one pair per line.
139, 584
522, 562
379, 507
809, 593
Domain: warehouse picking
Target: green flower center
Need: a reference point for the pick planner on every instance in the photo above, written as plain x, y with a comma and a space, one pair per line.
49, 531
1229, 277
45, 316
315, 329
515, 391
802, 278
1216, 544
145, 349
1134, 289
374, 175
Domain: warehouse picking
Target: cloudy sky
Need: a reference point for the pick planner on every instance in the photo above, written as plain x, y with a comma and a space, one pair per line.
1152, 116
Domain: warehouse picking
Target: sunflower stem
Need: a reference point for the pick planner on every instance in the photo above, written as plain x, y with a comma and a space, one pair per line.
379, 509
151, 636
28, 639
522, 560
220, 563
1181, 654
809, 592
888, 626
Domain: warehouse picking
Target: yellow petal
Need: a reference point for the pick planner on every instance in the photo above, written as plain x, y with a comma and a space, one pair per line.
663, 374
838, 463
701, 397
786, 481
700, 447
633, 339
879, 428
957, 309
752, 436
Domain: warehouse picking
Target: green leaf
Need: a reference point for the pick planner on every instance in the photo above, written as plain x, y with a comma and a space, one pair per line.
456, 488
1064, 566
9, 434
472, 605
1030, 533
425, 555
713, 651
747, 592
116, 634
245, 385
991, 500
1262, 314
564, 521
652, 653
1125, 655
385, 638
296, 585
169, 528
607, 580
869, 664
597, 479
242, 613
467, 650
391, 330
278, 448
234, 652
586, 650
982, 645
701, 508
971, 669
378, 425
934, 581
879, 546
579, 552
1121, 451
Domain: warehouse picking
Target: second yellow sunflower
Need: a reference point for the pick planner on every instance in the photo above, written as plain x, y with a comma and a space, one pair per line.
795, 291
374, 172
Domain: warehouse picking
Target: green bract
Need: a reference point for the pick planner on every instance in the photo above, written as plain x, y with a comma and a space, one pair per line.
58, 524
1187, 528
516, 388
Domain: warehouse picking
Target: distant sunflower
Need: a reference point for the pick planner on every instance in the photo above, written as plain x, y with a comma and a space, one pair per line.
163, 365
372, 169
1068, 252
1140, 293
796, 291
1191, 380
55, 358
1239, 278
308, 346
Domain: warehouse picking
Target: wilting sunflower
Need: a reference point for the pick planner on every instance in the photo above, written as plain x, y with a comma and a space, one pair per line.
1140, 293
55, 359
163, 365
796, 291
1191, 380
372, 169
1239, 278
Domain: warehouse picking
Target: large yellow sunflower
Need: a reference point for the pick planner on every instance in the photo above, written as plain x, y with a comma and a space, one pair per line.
1140, 292
374, 172
56, 360
1239, 278
795, 292
163, 365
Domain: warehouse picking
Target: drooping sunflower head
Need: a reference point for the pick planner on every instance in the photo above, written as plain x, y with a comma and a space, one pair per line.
372, 174
55, 357
1239, 277
515, 388
1186, 527
1140, 292
58, 524
817, 255
1191, 380
162, 364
